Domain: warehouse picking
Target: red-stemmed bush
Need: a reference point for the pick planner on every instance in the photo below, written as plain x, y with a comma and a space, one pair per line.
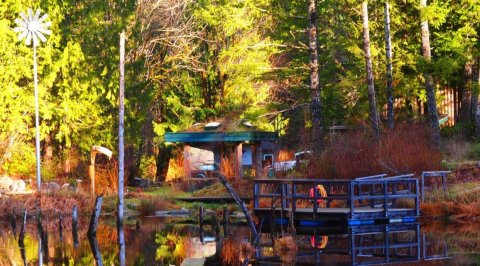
406, 149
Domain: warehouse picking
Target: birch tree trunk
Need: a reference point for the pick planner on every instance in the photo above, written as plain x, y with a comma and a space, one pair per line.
370, 81
121, 150
429, 86
389, 72
315, 91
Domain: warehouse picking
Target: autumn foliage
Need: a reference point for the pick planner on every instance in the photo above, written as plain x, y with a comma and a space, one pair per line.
405, 149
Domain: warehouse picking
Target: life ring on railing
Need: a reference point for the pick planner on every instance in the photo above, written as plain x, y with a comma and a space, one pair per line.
320, 244
321, 192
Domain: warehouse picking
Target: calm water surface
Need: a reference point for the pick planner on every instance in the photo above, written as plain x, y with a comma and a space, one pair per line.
172, 241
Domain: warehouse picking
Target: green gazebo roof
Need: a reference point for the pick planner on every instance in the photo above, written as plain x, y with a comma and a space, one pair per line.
221, 132
221, 136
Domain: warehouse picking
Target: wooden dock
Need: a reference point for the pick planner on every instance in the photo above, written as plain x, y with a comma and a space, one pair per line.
364, 201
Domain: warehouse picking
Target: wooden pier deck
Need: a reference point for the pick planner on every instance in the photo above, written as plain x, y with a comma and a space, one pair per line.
368, 200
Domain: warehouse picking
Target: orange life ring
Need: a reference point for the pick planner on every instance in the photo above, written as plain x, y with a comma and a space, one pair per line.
321, 192
320, 244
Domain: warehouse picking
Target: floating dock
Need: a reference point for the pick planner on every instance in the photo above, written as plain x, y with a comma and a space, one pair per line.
317, 203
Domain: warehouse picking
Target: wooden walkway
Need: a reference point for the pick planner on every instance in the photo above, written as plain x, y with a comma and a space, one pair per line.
367, 200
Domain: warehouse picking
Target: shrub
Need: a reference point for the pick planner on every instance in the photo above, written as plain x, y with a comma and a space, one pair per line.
149, 206
175, 166
475, 151
285, 155
405, 149
457, 150
286, 248
227, 168
148, 168
21, 161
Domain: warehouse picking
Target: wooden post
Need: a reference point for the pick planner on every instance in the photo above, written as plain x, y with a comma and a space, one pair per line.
92, 228
240, 204
21, 235
187, 164
75, 226
238, 161
225, 221
13, 223
215, 227
97, 256
60, 225
121, 150
43, 241
200, 222
91, 172
257, 159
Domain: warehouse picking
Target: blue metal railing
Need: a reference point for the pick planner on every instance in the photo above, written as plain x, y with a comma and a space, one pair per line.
381, 193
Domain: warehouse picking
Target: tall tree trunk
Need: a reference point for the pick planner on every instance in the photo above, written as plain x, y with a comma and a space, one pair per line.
429, 86
315, 91
389, 75
466, 93
162, 160
475, 102
121, 150
370, 82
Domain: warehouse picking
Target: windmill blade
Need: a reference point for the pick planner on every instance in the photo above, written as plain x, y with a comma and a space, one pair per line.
37, 14
44, 17
21, 23
41, 36
46, 24
24, 17
30, 14
23, 35
18, 29
44, 31
28, 40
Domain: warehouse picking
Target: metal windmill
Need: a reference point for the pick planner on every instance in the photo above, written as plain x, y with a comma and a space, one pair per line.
32, 27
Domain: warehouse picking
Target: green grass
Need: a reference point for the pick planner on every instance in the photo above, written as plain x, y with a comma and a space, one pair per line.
462, 192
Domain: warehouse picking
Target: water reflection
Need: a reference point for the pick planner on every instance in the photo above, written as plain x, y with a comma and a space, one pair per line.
363, 245
161, 241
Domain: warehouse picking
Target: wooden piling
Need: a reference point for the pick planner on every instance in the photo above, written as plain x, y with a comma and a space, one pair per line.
200, 222
97, 255
92, 228
75, 226
225, 221
215, 227
21, 235
13, 222
240, 204
60, 225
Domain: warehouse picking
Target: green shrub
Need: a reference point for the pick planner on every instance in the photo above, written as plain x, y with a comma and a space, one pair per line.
475, 151
21, 162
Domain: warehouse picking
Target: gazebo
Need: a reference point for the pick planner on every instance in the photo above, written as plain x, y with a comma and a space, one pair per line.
205, 144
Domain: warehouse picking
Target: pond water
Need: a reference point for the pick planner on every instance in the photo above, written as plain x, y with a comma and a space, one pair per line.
175, 241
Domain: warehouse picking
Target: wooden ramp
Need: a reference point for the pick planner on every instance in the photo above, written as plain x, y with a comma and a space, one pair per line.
375, 200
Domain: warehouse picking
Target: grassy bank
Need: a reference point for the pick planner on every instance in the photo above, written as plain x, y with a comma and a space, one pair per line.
460, 204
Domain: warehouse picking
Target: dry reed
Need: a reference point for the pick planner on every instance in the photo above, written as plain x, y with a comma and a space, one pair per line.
175, 166
286, 248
